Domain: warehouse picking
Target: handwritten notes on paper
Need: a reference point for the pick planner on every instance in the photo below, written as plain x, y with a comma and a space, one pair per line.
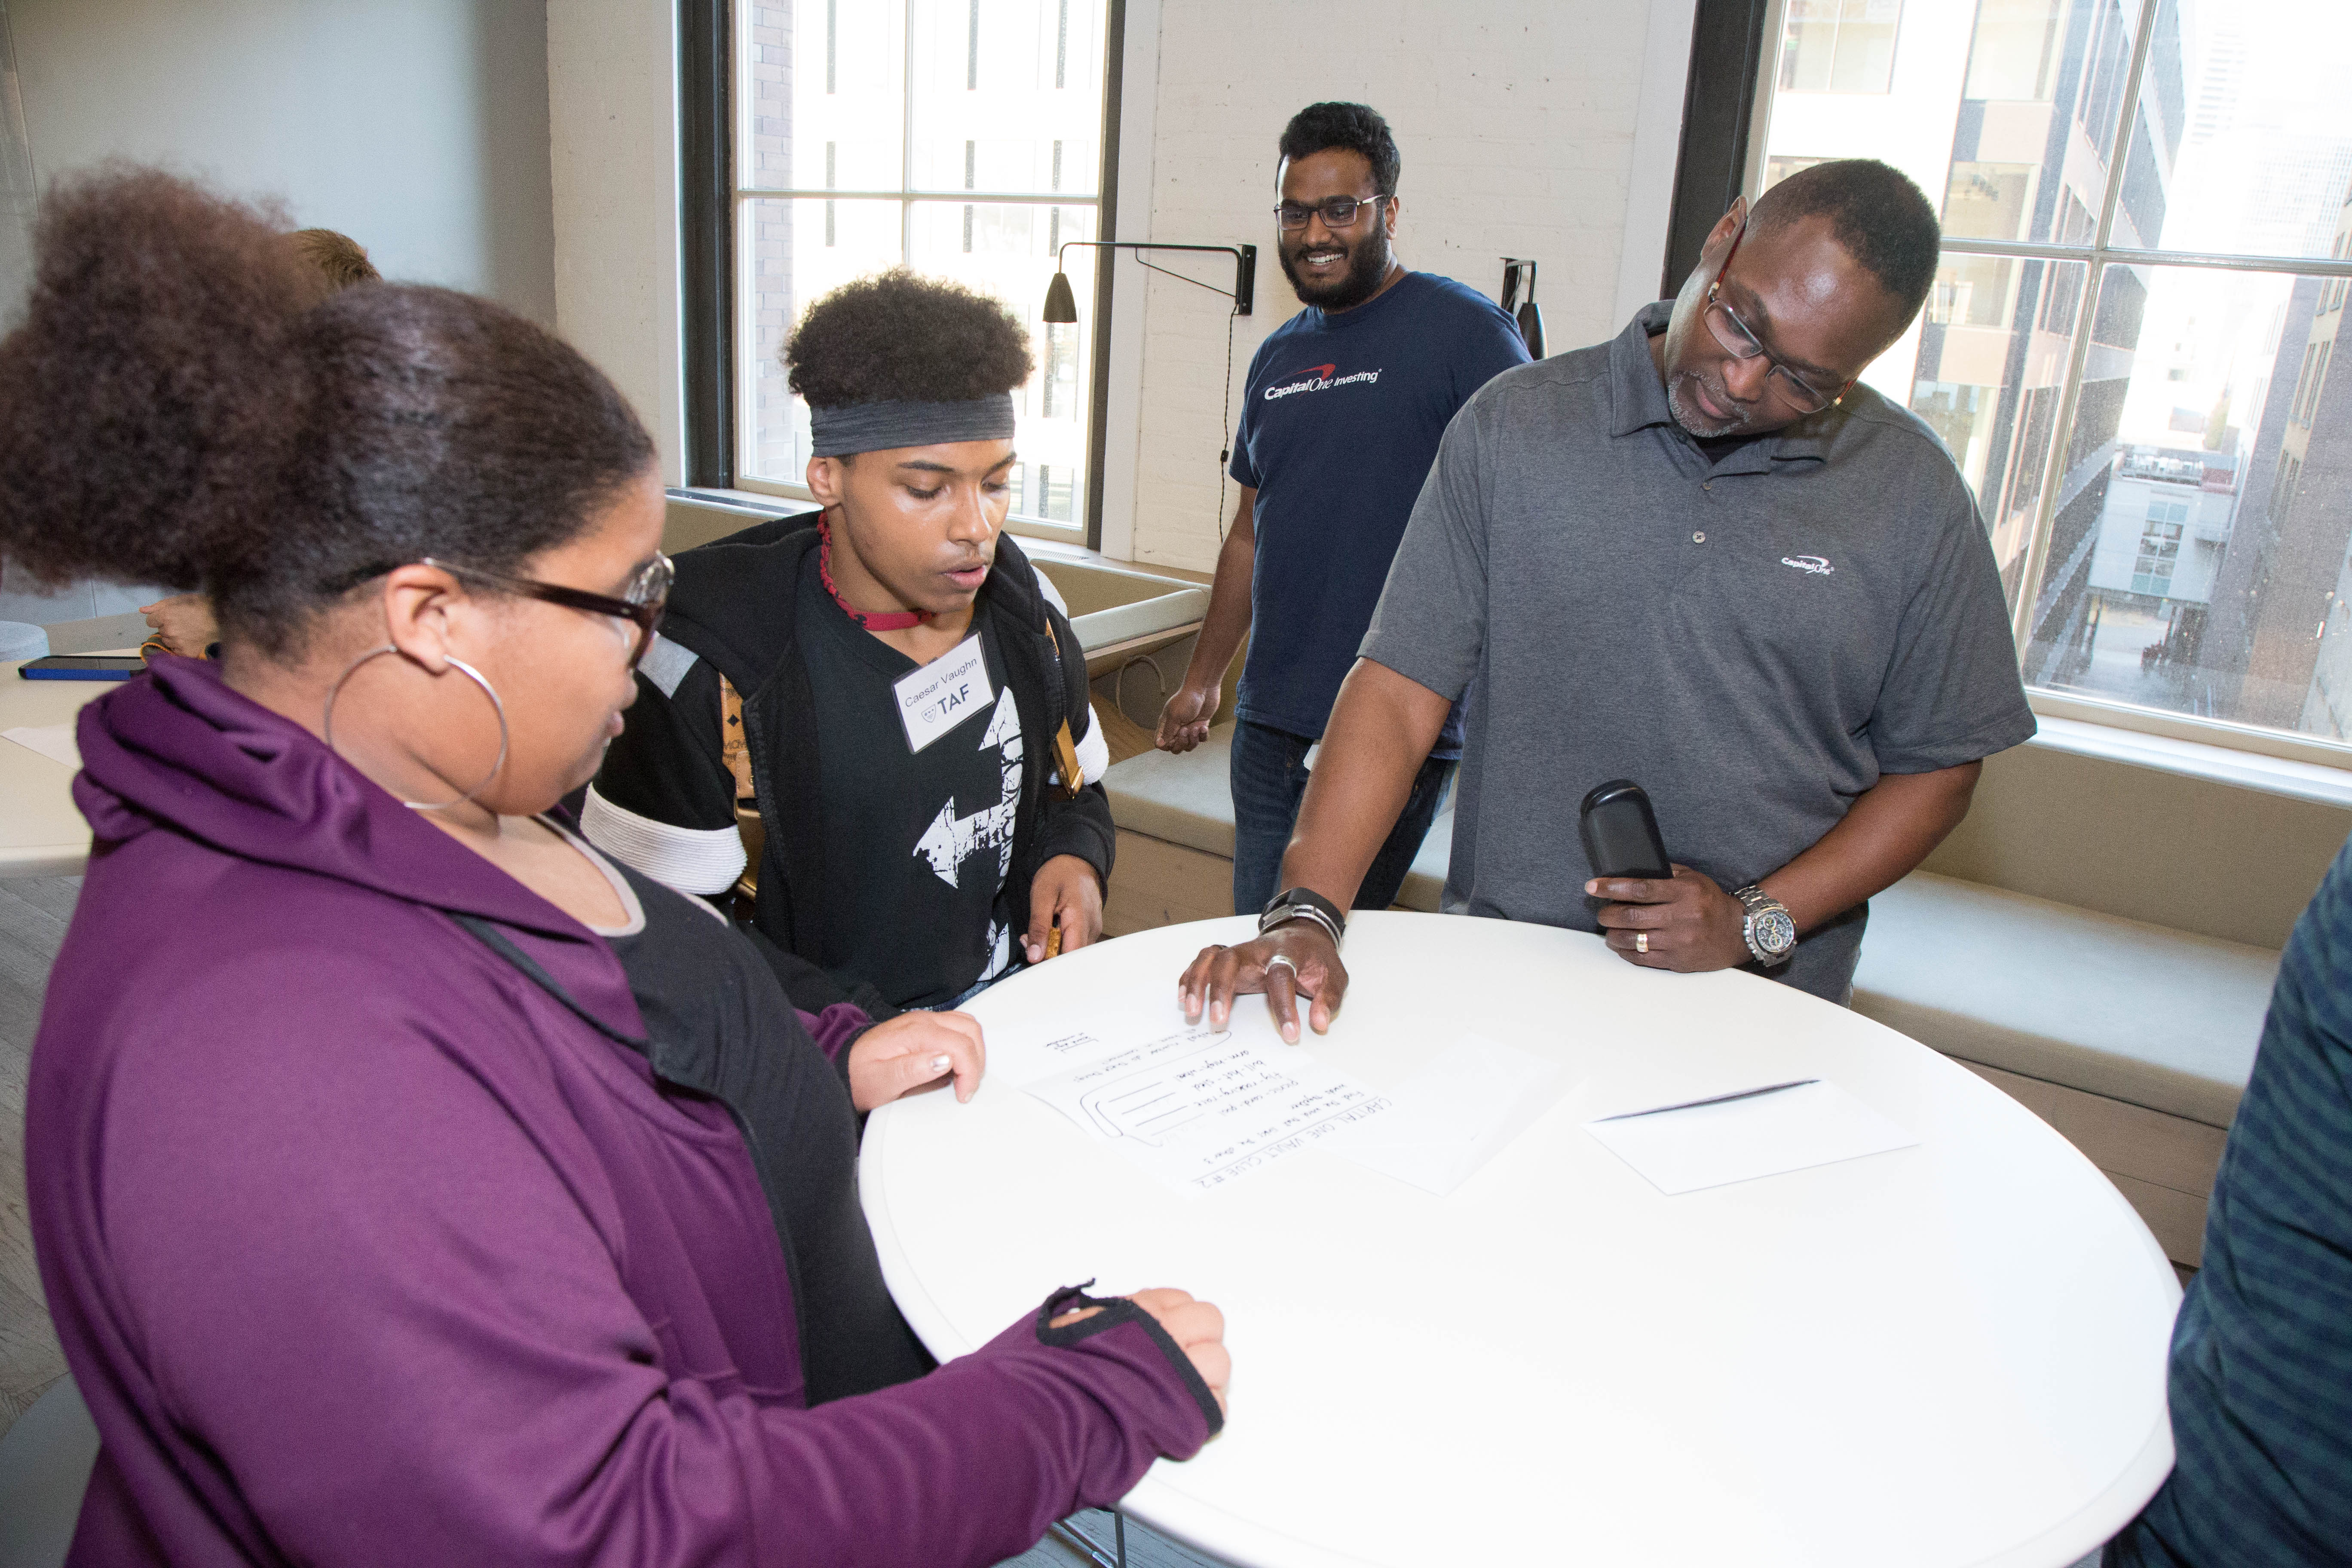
1195, 1107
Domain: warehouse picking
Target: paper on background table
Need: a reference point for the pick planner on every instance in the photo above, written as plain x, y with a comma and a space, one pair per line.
1200, 1108
55, 741
1740, 1140
1460, 1110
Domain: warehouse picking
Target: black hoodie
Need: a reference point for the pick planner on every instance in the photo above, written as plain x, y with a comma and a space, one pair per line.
734, 608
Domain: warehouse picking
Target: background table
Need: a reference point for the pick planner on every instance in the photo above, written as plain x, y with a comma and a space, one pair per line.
1947, 1355
41, 833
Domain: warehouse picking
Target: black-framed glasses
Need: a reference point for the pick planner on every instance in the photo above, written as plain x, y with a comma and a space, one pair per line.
1339, 212
1741, 342
641, 603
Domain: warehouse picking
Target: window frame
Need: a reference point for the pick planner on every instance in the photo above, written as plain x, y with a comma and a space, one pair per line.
1733, 49
716, 330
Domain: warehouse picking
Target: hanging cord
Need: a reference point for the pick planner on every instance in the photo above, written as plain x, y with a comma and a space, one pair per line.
1225, 453
1118, 684
1225, 420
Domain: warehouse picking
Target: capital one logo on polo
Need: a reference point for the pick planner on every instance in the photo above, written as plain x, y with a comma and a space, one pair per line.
1321, 378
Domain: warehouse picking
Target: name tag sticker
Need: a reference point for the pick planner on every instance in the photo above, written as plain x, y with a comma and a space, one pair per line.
945, 692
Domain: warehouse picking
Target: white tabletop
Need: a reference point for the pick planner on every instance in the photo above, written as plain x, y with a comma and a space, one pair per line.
1947, 1355
41, 832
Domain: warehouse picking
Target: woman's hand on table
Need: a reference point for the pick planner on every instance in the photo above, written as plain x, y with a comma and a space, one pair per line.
183, 624
1198, 1329
911, 1050
1295, 959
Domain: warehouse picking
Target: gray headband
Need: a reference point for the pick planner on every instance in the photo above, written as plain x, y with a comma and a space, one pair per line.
881, 426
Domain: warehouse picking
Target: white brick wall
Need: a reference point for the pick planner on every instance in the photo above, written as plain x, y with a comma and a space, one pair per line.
1516, 120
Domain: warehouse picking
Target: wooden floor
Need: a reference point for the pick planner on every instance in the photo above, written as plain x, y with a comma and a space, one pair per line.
33, 915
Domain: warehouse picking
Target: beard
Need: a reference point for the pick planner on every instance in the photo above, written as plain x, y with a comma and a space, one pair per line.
1695, 421
1368, 267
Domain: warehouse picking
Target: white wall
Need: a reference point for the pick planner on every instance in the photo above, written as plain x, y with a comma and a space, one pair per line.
418, 127
611, 76
1520, 123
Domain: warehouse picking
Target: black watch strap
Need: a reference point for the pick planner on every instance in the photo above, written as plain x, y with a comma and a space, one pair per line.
1303, 903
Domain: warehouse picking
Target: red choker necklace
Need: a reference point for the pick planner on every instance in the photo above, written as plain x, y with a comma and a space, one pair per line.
872, 620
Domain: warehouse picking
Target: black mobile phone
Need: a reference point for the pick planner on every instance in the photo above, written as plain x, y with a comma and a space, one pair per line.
1621, 833
82, 666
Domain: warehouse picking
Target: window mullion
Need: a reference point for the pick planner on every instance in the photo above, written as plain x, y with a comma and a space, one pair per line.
907, 137
2062, 437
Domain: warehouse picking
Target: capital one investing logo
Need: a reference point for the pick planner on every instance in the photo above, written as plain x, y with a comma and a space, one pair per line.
1319, 378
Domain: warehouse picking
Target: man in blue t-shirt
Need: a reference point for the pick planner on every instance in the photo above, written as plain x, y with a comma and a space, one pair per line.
1340, 422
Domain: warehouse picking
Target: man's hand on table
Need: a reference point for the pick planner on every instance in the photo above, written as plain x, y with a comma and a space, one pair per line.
1198, 1329
912, 1049
1222, 974
1690, 923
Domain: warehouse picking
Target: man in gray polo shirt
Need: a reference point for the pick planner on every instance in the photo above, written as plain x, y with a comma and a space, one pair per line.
1703, 557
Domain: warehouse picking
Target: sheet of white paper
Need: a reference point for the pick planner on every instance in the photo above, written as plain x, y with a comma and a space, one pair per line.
1200, 1108
55, 741
1739, 1140
1456, 1113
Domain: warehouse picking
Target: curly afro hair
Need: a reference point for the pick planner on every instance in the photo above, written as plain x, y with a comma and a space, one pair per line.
1885, 223
178, 406
897, 337
1352, 127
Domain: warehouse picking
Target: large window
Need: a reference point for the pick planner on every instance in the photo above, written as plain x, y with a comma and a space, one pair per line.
961, 138
2129, 348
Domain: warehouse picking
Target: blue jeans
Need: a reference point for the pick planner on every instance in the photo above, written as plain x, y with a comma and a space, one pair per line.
1269, 779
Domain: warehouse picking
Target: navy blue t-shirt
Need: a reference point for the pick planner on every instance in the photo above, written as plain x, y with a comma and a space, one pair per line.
1340, 425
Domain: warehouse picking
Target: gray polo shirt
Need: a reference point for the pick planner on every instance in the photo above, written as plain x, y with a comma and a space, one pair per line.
1753, 641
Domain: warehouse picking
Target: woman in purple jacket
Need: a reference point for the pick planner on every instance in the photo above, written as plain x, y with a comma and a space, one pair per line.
409, 1182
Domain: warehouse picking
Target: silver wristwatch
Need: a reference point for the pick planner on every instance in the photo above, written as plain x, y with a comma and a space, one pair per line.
1771, 934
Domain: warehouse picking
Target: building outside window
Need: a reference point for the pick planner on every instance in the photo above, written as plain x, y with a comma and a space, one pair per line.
961, 138
1838, 46
2146, 209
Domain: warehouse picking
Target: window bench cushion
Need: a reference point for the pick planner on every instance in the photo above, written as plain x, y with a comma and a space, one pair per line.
2138, 1013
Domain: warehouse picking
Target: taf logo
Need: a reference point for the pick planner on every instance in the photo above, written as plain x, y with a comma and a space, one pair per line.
1813, 565
1319, 378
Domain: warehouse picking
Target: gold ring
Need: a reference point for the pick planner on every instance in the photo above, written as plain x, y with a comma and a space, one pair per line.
1641, 941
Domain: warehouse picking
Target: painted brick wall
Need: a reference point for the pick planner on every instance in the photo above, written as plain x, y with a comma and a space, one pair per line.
1515, 121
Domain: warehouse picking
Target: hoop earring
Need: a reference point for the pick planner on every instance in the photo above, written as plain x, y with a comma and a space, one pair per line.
327, 723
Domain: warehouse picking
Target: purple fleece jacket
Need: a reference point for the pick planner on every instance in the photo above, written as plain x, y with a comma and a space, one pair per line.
362, 1248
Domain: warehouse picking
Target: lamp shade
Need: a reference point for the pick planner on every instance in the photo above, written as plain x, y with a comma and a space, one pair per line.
1059, 306
1531, 328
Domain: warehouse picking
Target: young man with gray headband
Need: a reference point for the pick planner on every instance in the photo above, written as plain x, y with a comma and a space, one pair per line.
889, 679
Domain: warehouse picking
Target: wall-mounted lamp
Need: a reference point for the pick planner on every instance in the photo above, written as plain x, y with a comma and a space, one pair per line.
1062, 308
1517, 271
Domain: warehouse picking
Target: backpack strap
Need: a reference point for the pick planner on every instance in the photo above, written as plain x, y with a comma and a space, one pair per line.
734, 746
1066, 749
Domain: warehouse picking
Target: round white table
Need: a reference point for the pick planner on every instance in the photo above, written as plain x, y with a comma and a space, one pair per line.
42, 833
1947, 1355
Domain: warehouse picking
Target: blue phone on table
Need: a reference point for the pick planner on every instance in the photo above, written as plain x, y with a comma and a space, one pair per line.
82, 666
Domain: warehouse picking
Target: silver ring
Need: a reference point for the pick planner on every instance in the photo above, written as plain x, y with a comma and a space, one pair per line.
1641, 941
327, 722
1284, 960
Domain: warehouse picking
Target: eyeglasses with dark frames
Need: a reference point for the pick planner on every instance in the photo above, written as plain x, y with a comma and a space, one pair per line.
641, 603
1339, 212
1741, 342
